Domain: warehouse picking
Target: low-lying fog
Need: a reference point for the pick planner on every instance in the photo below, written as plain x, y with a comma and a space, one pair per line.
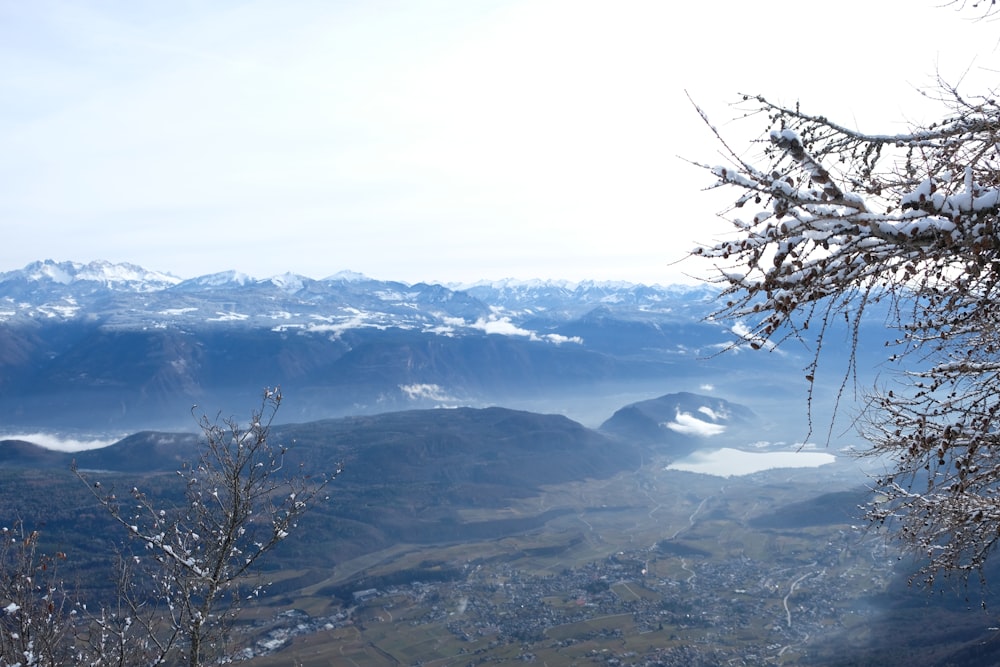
62, 443
727, 462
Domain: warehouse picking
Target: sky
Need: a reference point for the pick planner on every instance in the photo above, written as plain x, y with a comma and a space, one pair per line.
425, 140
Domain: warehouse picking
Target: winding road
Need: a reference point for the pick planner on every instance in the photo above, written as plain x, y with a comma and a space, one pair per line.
690, 519
791, 591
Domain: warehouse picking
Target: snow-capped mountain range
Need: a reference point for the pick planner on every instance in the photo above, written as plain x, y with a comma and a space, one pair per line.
104, 346
126, 295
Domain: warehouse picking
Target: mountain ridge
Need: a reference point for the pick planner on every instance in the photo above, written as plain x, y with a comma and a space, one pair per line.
158, 451
128, 295
125, 274
111, 347
107, 348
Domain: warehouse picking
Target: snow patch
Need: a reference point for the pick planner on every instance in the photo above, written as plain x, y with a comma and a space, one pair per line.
228, 317
356, 319
712, 414
222, 278
347, 276
55, 310
289, 282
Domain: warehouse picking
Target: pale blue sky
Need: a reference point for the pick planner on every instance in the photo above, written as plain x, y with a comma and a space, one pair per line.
420, 139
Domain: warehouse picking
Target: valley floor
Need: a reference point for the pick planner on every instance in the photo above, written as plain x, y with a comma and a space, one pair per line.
652, 567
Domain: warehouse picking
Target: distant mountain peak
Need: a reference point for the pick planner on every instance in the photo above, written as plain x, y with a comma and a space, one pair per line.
123, 276
539, 283
681, 420
347, 276
289, 282
129, 296
83, 347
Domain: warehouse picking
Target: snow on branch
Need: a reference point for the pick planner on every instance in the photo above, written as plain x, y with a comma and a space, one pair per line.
239, 503
830, 221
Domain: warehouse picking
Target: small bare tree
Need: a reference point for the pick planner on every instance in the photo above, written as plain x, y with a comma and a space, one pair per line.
195, 560
830, 220
36, 628
126, 630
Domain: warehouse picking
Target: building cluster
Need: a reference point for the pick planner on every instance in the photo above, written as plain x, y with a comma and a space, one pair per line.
637, 615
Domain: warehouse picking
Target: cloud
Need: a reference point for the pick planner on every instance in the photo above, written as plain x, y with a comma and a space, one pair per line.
57, 443
559, 339
431, 392
687, 424
504, 327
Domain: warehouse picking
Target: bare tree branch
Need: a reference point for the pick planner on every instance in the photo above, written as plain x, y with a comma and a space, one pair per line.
840, 220
196, 558
35, 625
